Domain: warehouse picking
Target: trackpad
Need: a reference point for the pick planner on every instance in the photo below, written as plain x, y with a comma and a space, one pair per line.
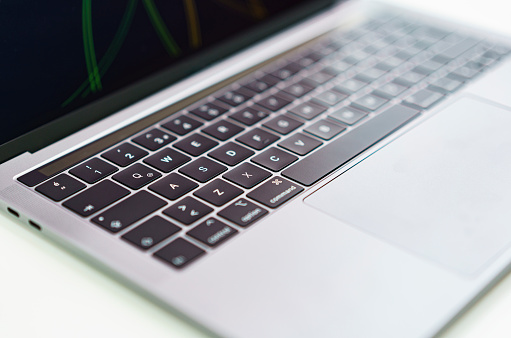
442, 190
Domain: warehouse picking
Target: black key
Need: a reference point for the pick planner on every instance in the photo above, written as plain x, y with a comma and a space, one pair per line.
300, 144
182, 125
173, 186
208, 111
257, 138
218, 192
370, 74
151, 232
274, 159
250, 115
247, 175
222, 130
390, 90
154, 139
212, 232
124, 154
287, 71
350, 86
330, 97
188, 210
236, 97
308, 110
231, 153
60, 187
243, 212
299, 89
409, 78
136, 176
369, 102
348, 115
275, 192
324, 129
320, 77
96, 198
129, 211
337, 68
179, 253
423, 99
283, 124
203, 169
258, 86
445, 85
196, 144
270, 80
167, 160
275, 102
319, 164
93, 170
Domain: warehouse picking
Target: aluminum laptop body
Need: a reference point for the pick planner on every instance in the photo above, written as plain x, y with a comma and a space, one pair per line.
397, 241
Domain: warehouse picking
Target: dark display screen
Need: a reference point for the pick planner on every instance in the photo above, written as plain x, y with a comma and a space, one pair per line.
58, 57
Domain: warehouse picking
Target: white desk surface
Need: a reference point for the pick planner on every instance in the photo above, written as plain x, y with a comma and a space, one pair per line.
45, 292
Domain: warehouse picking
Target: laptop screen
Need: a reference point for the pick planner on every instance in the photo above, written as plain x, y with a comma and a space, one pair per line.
91, 58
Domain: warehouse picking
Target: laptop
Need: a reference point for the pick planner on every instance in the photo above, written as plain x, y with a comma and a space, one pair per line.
326, 169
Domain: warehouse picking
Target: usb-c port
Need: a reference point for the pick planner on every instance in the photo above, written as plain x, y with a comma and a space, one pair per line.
15, 213
34, 224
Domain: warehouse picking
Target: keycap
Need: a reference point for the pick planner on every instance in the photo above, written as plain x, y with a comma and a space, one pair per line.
247, 175
154, 139
124, 154
136, 176
463, 73
93, 170
275, 102
274, 159
218, 192
409, 79
173, 186
257, 86
231, 153
300, 144
151, 232
236, 97
208, 111
243, 212
188, 210
167, 160
369, 102
212, 232
96, 198
330, 98
203, 169
324, 129
390, 90
128, 211
308, 110
348, 115
455, 50
179, 253
299, 89
196, 144
257, 138
283, 124
250, 115
322, 162
370, 74
287, 71
320, 77
222, 130
60, 187
423, 99
275, 192
182, 125
445, 85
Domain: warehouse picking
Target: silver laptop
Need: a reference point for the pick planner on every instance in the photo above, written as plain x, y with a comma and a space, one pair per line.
265, 168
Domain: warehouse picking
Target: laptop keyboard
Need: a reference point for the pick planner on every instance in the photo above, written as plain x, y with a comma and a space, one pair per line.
194, 180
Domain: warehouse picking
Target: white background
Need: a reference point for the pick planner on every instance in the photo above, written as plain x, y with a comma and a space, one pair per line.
46, 292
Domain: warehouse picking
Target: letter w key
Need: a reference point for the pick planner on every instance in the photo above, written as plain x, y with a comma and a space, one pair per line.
167, 160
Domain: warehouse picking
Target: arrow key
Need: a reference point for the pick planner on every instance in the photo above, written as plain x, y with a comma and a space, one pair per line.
300, 144
173, 186
188, 210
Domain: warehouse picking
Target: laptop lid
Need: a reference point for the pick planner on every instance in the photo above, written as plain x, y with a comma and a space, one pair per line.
67, 66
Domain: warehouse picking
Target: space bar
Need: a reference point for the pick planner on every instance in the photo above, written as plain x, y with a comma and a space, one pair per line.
322, 162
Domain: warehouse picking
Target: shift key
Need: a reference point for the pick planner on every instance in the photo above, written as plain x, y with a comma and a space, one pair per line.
129, 211
96, 198
275, 192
